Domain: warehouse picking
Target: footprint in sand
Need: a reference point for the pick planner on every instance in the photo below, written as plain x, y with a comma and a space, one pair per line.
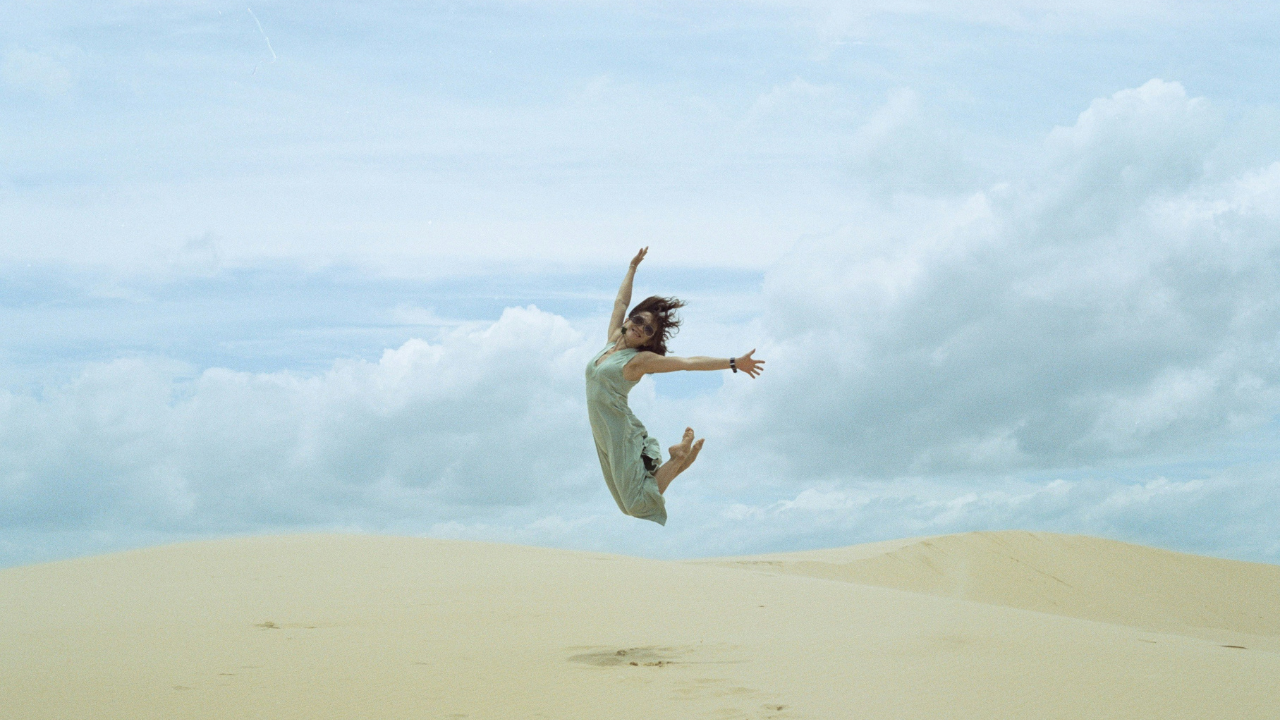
638, 657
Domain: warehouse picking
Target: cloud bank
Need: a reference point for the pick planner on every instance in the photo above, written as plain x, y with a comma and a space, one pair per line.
1118, 299
491, 415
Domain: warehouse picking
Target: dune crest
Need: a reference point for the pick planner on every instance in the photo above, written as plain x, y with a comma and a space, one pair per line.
1071, 575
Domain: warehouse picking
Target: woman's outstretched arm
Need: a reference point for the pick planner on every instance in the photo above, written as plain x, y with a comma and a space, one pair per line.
623, 301
647, 362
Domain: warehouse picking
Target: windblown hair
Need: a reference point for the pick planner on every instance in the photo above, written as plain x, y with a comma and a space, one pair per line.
665, 322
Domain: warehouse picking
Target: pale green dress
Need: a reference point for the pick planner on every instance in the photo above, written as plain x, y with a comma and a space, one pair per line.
621, 439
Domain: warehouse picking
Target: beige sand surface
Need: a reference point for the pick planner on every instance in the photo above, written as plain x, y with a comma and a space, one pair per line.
982, 625
1072, 575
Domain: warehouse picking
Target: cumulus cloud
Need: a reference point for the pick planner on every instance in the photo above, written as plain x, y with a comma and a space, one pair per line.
490, 416
1111, 301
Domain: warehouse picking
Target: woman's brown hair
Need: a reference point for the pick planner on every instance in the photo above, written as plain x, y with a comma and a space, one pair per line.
665, 322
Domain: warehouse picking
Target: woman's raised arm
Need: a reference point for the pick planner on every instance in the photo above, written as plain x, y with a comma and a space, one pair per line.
623, 301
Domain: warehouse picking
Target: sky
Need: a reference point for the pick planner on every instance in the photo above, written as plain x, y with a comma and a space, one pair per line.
296, 267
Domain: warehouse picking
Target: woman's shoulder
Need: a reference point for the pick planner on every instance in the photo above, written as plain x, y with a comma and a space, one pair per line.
639, 364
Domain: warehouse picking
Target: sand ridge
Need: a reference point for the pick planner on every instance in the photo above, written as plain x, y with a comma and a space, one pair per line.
350, 626
1071, 575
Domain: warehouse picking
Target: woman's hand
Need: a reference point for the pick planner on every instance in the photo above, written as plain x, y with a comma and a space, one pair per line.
749, 365
635, 261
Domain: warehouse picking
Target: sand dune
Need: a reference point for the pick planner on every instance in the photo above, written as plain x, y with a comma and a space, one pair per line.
1071, 575
983, 625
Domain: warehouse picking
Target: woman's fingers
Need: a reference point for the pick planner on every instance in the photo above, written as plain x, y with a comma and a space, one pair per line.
750, 365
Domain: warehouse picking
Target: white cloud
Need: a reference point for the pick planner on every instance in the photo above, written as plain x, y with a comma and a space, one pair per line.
1133, 147
490, 416
1110, 302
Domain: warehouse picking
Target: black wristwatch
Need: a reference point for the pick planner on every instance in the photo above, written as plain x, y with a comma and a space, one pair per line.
733, 365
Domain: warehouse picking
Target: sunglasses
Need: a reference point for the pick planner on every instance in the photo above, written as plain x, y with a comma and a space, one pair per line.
646, 327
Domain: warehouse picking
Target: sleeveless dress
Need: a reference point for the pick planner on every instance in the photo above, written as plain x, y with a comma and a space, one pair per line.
621, 439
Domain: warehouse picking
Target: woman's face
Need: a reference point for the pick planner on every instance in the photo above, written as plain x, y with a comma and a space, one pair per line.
638, 328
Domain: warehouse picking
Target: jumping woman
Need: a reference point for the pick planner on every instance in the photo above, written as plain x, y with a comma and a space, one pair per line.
631, 460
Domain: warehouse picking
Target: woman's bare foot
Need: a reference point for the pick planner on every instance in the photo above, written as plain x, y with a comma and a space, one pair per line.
692, 455
680, 450
682, 456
